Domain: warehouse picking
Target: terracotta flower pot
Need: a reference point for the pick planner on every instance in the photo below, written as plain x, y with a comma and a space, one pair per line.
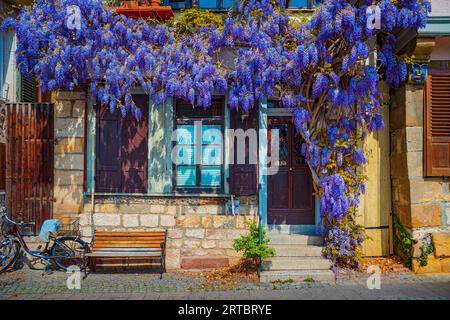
132, 9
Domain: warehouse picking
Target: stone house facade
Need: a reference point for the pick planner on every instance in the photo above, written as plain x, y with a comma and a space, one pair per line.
146, 190
419, 151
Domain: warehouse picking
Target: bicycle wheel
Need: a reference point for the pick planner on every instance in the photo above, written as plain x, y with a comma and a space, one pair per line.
9, 252
70, 252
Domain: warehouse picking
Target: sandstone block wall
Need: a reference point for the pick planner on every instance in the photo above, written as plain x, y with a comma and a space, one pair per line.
422, 203
69, 153
200, 234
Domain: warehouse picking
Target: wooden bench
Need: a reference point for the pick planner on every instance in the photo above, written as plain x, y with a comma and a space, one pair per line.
144, 244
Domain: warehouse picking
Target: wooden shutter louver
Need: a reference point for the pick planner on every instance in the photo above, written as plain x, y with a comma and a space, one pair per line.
28, 89
437, 125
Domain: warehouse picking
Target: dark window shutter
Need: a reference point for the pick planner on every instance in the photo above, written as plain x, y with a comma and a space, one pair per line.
135, 149
243, 177
122, 150
28, 89
437, 125
108, 147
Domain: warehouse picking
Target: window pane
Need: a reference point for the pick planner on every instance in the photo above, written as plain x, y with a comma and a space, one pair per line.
212, 155
298, 4
211, 135
283, 143
186, 134
227, 3
186, 176
211, 176
208, 4
185, 154
272, 104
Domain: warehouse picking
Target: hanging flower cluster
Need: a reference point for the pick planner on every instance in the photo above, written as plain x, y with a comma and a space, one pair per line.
317, 68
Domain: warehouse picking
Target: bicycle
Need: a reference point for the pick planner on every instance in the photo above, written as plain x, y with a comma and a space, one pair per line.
64, 252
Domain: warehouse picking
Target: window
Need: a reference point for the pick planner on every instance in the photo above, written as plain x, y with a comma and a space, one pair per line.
122, 150
178, 4
437, 124
303, 4
199, 147
215, 4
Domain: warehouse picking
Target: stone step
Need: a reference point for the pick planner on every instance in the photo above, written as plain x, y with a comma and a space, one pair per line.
294, 263
294, 239
297, 276
297, 250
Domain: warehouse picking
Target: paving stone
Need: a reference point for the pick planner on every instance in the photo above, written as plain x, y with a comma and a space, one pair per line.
27, 284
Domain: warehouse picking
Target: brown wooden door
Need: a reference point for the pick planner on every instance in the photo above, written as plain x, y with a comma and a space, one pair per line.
290, 191
29, 162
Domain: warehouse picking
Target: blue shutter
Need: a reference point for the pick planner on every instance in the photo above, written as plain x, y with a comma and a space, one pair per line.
208, 4
227, 3
186, 176
180, 4
298, 4
215, 4
185, 134
211, 176
211, 135
212, 155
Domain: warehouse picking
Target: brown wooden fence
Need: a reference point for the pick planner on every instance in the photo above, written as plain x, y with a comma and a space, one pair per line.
29, 162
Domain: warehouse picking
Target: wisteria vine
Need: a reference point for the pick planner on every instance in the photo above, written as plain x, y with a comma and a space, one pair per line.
317, 67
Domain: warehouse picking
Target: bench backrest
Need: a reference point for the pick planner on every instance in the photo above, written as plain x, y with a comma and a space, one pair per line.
132, 239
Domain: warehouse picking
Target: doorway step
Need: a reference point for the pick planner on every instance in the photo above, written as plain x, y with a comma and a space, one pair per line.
298, 258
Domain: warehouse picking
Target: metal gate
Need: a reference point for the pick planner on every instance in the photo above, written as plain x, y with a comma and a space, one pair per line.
29, 162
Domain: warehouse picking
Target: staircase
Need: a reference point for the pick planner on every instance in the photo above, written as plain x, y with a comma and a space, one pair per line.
298, 258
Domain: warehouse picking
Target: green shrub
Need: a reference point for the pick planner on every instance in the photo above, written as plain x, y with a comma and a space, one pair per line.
402, 242
250, 244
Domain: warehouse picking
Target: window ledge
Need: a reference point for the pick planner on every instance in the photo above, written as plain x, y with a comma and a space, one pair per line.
159, 195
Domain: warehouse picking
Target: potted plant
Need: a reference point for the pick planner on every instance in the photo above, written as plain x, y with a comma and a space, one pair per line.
144, 9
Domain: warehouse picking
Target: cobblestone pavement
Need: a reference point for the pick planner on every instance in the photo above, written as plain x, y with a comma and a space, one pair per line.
34, 284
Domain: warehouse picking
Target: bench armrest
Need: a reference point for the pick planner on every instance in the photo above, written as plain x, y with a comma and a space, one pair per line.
163, 246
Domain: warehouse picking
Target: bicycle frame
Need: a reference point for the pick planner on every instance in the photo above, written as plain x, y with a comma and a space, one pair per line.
16, 235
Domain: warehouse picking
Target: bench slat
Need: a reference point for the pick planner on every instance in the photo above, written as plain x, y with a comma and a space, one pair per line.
129, 249
160, 238
128, 241
123, 254
131, 245
130, 234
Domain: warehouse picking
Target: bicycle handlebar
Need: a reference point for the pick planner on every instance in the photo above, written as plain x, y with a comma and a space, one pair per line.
20, 224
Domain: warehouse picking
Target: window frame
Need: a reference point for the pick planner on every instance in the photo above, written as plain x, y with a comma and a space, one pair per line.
206, 121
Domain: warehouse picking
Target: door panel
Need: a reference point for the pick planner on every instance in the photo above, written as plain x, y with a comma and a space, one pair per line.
279, 199
29, 162
290, 191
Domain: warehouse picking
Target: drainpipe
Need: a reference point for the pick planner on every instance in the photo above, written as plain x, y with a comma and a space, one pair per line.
260, 231
92, 184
